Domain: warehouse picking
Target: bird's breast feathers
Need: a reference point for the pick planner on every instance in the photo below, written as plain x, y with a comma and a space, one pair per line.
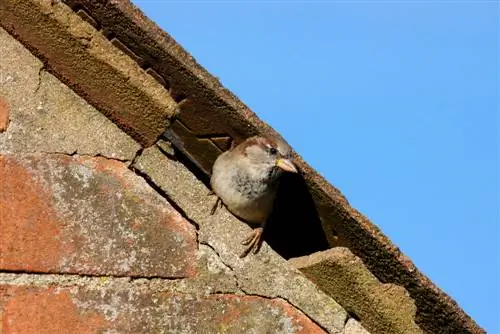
246, 197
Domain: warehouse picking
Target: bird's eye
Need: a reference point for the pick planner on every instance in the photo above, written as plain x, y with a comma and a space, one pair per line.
273, 151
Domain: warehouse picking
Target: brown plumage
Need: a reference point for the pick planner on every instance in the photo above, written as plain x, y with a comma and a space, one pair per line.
245, 180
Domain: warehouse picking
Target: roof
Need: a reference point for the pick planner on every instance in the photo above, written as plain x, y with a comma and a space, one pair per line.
205, 120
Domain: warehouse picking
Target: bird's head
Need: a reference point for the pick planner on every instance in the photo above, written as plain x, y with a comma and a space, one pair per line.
267, 155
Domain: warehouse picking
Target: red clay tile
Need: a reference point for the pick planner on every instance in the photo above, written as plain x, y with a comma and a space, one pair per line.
82, 310
30, 227
40, 311
90, 216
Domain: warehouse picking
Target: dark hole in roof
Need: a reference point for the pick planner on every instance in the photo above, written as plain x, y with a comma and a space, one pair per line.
294, 228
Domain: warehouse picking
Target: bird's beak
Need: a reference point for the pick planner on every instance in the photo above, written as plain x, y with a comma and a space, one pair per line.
286, 165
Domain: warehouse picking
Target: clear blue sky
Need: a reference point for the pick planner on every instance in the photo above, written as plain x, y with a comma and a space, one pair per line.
395, 103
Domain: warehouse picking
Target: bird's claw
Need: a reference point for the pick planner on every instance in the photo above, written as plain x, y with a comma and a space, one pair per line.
253, 242
218, 204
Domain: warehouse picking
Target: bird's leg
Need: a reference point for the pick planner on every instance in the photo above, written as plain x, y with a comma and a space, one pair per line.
218, 203
253, 241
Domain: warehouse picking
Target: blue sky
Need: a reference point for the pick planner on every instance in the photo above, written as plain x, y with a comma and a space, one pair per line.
395, 103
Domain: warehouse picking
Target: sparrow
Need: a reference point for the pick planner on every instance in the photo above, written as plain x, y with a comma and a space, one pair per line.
245, 179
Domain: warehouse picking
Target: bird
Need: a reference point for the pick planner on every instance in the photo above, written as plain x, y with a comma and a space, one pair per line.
245, 180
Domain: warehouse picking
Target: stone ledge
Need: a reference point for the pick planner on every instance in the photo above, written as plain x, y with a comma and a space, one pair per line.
381, 308
86, 61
